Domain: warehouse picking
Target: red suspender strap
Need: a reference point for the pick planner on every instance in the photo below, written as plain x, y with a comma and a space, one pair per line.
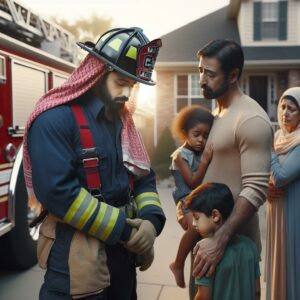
89, 155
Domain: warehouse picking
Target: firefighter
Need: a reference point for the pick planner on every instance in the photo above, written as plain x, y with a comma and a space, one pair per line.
85, 162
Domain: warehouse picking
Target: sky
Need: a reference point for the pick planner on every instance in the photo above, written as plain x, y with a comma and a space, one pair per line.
156, 17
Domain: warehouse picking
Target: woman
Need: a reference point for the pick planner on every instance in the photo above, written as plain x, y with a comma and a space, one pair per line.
283, 246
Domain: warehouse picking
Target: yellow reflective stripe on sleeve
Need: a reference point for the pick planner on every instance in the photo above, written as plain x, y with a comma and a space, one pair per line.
96, 224
81, 209
146, 195
87, 213
105, 221
149, 202
149, 198
75, 205
111, 224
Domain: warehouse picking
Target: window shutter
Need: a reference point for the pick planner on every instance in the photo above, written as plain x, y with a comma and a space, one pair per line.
282, 30
257, 21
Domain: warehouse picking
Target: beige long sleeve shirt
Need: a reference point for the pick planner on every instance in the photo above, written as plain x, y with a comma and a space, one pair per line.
242, 137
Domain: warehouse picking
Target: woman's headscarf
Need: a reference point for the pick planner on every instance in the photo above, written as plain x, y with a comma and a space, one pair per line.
284, 141
135, 157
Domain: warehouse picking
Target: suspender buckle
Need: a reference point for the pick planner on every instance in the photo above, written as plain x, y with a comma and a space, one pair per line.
89, 152
90, 157
90, 162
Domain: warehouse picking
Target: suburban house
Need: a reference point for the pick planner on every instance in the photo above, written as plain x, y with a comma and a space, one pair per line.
269, 32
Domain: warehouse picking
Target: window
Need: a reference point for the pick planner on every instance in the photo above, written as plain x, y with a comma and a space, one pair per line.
188, 92
2, 69
270, 20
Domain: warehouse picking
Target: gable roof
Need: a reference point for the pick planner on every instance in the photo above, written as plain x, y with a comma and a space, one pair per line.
181, 45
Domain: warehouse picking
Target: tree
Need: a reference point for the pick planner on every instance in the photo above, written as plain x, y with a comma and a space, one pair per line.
86, 29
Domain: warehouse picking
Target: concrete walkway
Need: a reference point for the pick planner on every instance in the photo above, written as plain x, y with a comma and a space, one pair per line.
158, 283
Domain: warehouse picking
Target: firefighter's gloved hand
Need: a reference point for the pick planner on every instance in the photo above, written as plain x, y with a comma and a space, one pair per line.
146, 260
142, 241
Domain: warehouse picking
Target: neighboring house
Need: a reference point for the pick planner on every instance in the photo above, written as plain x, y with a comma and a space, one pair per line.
269, 32
144, 121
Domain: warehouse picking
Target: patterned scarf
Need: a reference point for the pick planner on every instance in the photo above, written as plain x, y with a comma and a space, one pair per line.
284, 141
135, 157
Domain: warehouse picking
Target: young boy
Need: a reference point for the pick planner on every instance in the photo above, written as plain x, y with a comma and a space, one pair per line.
237, 275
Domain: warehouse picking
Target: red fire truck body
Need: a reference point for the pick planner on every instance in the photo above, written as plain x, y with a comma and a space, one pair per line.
26, 73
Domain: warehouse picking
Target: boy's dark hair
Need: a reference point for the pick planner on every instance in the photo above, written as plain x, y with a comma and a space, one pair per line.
188, 117
209, 196
228, 53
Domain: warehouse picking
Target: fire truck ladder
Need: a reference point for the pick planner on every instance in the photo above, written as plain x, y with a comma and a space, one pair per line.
19, 21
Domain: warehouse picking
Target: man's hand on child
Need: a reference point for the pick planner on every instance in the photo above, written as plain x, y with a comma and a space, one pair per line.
207, 253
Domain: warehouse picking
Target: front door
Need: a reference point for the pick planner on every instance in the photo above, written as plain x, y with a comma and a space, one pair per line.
258, 90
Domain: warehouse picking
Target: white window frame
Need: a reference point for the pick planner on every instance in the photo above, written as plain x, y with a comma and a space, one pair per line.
269, 20
190, 96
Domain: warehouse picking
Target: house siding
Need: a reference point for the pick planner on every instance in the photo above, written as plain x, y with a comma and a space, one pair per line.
297, 22
245, 25
281, 65
164, 101
294, 78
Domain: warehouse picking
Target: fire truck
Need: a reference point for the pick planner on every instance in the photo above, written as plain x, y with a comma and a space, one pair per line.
35, 56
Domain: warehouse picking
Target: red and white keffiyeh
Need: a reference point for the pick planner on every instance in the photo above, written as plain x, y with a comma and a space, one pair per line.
135, 156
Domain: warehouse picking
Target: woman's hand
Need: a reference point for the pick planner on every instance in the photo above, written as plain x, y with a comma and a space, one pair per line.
274, 193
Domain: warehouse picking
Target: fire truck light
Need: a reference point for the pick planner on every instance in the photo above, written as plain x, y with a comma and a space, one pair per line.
10, 152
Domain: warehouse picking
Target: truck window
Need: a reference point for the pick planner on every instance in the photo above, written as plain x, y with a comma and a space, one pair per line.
29, 83
58, 79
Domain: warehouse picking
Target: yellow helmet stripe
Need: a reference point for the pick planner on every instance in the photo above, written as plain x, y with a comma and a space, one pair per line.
132, 52
115, 44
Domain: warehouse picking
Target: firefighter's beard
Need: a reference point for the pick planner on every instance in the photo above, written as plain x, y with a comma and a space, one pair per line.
113, 104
